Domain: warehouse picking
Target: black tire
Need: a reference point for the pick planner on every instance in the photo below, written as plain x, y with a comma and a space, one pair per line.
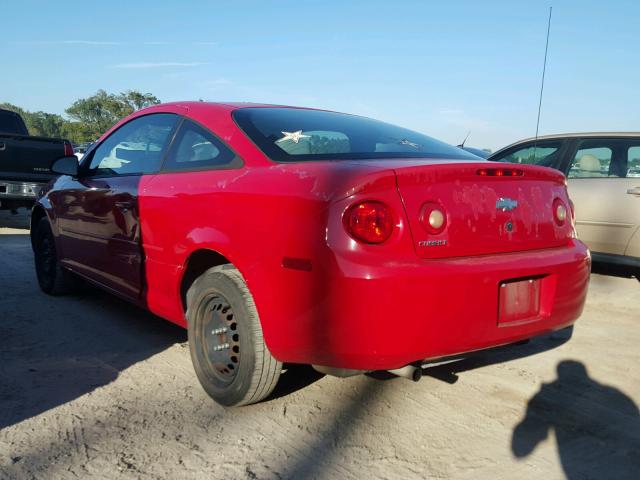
226, 342
53, 278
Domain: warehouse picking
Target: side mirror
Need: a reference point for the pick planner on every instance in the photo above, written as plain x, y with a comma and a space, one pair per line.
66, 166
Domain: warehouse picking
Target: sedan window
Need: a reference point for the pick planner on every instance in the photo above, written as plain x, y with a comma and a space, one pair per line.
543, 153
135, 148
633, 162
196, 148
591, 163
296, 135
600, 158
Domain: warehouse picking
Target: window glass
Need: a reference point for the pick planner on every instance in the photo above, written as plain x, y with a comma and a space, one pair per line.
317, 142
195, 147
633, 162
544, 154
11, 123
293, 135
135, 148
592, 162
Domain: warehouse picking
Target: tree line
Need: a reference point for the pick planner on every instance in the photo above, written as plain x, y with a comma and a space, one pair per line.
88, 118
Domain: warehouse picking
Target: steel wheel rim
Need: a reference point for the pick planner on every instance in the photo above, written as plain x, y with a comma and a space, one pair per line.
221, 338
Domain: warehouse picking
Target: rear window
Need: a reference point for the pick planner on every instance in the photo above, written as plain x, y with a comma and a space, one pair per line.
11, 123
294, 135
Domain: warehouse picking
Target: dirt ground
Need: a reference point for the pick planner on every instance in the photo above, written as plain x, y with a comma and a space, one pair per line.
91, 387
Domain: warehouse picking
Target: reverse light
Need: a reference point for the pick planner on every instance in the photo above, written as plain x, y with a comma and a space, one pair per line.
559, 212
433, 218
369, 222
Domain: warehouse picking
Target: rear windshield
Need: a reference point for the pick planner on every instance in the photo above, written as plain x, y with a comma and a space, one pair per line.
295, 135
11, 123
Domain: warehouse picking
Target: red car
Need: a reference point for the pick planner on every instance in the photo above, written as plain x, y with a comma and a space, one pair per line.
279, 234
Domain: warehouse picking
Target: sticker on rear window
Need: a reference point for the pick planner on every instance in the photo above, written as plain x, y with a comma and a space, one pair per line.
293, 136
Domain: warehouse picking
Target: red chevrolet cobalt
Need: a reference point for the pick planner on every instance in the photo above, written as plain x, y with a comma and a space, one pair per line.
288, 235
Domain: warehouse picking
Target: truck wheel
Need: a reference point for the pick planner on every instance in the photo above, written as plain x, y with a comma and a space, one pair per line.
53, 278
226, 342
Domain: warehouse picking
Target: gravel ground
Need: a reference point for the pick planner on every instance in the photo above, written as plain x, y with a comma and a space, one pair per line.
91, 387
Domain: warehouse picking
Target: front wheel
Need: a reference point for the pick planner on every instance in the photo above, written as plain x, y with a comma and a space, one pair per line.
226, 342
53, 278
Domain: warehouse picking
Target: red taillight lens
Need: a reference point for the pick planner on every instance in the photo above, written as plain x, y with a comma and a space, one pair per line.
68, 149
559, 211
433, 218
500, 172
369, 222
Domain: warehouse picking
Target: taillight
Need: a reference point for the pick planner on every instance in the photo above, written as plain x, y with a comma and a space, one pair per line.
433, 218
559, 211
500, 172
369, 222
68, 149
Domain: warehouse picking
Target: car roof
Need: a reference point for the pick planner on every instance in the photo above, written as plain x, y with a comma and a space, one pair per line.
565, 136
197, 105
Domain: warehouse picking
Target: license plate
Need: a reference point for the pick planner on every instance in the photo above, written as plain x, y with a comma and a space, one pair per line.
519, 301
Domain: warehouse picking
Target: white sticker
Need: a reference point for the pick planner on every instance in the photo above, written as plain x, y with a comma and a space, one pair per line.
293, 136
408, 143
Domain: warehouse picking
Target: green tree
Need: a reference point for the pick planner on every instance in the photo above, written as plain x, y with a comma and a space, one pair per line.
100, 111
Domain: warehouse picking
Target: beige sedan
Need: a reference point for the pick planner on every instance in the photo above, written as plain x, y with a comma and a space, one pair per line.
603, 172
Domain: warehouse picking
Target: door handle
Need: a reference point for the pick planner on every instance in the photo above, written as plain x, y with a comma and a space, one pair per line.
634, 191
124, 205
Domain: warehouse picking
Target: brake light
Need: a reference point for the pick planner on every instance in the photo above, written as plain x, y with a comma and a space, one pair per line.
500, 172
433, 218
559, 211
68, 149
369, 222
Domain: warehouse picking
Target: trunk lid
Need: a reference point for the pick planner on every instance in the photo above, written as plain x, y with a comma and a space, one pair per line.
486, 212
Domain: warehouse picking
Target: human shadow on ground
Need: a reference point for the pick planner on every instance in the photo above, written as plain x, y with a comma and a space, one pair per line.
597, 427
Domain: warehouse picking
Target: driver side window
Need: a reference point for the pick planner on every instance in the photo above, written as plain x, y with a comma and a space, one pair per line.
542, 153
137, 147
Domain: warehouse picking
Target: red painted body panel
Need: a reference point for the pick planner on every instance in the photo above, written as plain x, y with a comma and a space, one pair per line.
324, 298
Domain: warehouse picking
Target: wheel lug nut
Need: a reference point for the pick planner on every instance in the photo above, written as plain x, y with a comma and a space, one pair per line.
217, 348
218, 331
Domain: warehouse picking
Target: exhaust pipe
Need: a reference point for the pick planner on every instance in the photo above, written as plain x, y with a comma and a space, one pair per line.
411, 372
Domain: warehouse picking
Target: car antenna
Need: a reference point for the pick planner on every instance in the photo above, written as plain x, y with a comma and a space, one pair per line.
544, 69
465, 139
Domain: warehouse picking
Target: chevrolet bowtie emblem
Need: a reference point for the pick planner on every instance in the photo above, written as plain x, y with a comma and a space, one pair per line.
506, 204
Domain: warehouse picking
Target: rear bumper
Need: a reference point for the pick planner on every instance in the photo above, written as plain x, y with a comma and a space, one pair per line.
16, 190
380, 318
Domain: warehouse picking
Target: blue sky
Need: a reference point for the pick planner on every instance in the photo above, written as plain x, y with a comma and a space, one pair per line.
442, 68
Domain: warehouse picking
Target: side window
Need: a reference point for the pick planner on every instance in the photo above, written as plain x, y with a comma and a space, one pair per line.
591, 163
543, 153
602, 158
633, 162
135, 148
195, 148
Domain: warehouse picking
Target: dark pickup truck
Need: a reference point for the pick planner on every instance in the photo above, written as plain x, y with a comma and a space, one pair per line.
25, 161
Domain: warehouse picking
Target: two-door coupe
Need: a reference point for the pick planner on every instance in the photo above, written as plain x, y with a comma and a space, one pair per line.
280, 234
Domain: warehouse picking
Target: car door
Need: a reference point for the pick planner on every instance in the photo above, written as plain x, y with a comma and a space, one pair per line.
604, 184
97, 213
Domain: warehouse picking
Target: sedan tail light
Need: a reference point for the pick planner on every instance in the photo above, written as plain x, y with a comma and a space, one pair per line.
433, 218
369, 222
559, 211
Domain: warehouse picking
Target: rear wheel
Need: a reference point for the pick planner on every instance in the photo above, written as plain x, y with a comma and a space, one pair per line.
226, 342
53, 278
